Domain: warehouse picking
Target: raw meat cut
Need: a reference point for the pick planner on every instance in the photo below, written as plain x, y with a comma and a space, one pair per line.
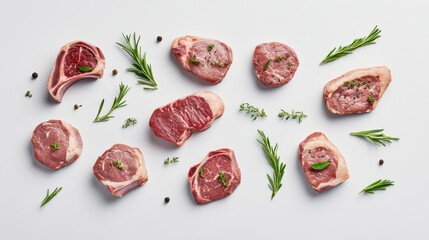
121, 169
56, 144
70, 67
357, 91
176, 121
216, 177
275, 63
317, 148
208, 59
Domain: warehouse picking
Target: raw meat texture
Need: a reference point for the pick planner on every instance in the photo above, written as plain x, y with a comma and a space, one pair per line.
175, 122
66, 71
121, 169
357, 91
283, 63
208, 59
56, 144
317, 148
204, 178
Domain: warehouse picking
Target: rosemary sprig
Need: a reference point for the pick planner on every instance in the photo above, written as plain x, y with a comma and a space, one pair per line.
346, 50
294, 115
377, 185
140, 67
275, 182
117, 103
267, 64
253, 111
375, 136
129, 122
50, 196
222, 179
173, 160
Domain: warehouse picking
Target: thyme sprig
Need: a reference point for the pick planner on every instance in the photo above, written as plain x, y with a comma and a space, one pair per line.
253, 111
173, 160
294, 115
129, 122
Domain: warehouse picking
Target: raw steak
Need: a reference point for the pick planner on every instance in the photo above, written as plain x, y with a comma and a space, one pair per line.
317, 148
176, 121
275, 63
121, 169
56, 143
216, 177
66, 72
208, 59
357, 91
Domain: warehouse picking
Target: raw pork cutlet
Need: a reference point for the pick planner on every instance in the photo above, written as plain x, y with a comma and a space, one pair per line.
56, 144
76, 61
208, 59
357, 91
216, 177
176, 121
275, 63
121, 169
317, 148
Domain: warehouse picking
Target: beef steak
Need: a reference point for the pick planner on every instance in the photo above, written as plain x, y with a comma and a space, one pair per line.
176, 121
357, 91
216, 177
56, 143
121, 169
208, 59
275, 63
317, 148
70, 67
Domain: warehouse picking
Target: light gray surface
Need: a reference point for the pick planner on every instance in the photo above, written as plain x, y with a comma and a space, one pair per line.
34, 31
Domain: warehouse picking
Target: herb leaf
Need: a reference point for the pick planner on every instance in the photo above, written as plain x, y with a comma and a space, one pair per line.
201, 172
28, 94
210, 47
253, 111
50, 196
85, 69
294, 115
320, 165
117, 103
370, 99
275, 182
118, 164
222, 179
267, 64
55, 146
194, 60
173, 160
141, 68
377, 186
129, 122
375, 136
346, 50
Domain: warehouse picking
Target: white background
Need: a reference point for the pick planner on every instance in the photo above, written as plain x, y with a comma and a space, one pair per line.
32, 32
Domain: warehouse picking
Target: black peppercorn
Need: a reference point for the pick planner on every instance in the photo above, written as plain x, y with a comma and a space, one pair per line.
159, 38
380, 162
114, 72
34, 75
166, 199
76, 106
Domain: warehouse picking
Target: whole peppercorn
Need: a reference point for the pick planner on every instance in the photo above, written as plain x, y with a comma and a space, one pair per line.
380, 162
76, 106
114, 72
159, 39
166, 199
34, 75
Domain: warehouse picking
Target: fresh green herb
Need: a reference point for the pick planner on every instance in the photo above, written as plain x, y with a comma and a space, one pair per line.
253, 111
267, 64
129, 122
55, 146
219, 64
118, 164
117, 103
173, 160
210, 47
346, 50
28, 94
320, 165
141, 68
85, 69
351, 84
370, 99
279, 59
201, 172
194, 60
375, 136
275, 182
377, 185
50, 196
294, 115
34, 75
222, 179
